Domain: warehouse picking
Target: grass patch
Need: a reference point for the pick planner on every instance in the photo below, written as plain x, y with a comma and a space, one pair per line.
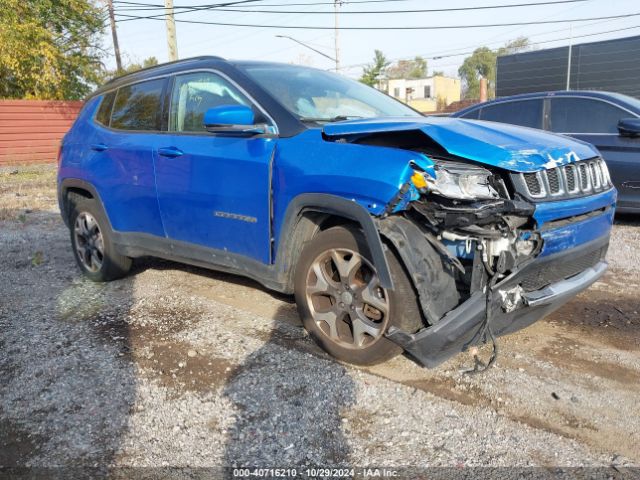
26, 189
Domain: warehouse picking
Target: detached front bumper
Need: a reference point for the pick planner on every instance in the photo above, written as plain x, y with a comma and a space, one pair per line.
457, 329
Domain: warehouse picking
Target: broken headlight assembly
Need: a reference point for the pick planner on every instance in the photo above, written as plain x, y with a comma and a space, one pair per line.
455, 180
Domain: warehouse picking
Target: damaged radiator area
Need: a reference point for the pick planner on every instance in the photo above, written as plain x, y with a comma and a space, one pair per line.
457, 246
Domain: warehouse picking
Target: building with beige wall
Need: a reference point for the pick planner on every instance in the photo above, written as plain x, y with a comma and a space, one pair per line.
423, 94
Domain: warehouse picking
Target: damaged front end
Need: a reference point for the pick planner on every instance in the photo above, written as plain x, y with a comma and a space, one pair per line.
471, 251
489, 250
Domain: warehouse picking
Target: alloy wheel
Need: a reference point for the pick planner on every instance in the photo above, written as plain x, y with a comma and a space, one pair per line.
345, 298
89, 242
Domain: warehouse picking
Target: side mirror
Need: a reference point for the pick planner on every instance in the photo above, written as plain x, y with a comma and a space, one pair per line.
629, 127
232, 120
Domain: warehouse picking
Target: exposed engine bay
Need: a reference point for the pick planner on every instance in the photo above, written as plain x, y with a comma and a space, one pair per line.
471, 215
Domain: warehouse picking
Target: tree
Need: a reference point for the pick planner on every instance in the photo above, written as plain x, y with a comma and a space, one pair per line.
130, 68
482, 63
411, 69
49, 49
372, 74
437, 73
520, 44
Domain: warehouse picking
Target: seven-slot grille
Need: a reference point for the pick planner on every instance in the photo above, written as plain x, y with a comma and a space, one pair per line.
573, 180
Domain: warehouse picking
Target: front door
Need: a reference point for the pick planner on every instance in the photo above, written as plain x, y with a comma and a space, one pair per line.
213, 191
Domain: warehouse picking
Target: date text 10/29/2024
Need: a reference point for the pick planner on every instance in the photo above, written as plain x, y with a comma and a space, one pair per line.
314, 473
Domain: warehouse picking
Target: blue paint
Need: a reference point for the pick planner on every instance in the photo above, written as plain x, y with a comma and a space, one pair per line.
548, 211
231, 193
459, 248
575, 234
518, 149
229, 115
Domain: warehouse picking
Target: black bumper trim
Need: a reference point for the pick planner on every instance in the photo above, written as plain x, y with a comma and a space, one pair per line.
456, 330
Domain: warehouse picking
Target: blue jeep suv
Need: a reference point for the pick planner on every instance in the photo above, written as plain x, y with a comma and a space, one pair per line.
395, 232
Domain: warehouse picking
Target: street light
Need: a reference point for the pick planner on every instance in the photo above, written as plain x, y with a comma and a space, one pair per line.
309, 47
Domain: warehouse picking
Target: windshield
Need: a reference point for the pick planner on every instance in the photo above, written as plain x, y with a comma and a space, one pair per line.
318, 96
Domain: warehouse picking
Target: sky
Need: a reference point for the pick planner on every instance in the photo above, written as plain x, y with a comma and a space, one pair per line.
140, 39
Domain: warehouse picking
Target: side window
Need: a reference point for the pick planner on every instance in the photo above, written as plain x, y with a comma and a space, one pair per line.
104, 111
584, 115
137, 106
195, 93
526, 113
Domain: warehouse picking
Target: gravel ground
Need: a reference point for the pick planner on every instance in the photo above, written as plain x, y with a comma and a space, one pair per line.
179, 366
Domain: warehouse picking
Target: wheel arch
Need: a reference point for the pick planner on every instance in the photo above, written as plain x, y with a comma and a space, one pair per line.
76, 186
310, 213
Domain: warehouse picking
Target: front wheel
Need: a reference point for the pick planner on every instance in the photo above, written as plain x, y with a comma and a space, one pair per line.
342, 303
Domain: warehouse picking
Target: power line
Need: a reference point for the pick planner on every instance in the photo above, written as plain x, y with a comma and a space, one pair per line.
438, 57
155, 6
431, 27
369, 12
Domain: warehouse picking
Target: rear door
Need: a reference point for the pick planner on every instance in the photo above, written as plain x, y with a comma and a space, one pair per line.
595, 121
214, 190
127, 126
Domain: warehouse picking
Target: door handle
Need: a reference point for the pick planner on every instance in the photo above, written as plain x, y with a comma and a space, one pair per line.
99, 147
171, 152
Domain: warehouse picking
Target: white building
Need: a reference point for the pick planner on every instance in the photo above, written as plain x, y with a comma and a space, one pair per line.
423, 94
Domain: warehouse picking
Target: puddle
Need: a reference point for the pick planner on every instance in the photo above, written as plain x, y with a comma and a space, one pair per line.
171, 365
16, 445
603, 316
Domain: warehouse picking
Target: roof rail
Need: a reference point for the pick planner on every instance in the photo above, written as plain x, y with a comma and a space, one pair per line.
175, 62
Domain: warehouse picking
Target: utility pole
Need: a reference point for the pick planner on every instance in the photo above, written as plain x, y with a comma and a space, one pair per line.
114, 34
569, 56
336, 5
172, 41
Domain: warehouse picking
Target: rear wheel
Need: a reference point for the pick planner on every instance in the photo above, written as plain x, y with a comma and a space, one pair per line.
342, 303
93, 249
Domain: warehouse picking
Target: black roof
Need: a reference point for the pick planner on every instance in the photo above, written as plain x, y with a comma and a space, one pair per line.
162, 69
623, 100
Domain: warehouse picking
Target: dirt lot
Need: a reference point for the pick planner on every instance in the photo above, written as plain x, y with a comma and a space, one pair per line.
179, 366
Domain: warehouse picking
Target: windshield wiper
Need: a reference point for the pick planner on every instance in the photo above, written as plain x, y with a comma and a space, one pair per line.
337, 118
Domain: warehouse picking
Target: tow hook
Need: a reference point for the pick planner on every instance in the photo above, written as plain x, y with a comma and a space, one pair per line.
511, 299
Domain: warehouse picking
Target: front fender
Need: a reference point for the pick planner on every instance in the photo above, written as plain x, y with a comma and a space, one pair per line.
289, 244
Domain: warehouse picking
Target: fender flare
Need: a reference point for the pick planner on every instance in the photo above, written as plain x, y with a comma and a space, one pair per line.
63, 188
342, 207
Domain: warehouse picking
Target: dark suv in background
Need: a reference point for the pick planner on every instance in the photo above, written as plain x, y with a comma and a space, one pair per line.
610, 121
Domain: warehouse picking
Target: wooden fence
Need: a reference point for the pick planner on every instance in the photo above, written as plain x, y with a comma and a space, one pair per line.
31, 130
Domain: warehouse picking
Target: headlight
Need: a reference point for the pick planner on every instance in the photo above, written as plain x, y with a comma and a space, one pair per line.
460, 181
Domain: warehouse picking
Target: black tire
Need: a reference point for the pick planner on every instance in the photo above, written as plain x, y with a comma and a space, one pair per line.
112, 265
402, 309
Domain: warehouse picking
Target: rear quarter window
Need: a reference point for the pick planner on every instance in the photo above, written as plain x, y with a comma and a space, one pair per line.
472, 115
103, 116
137, 107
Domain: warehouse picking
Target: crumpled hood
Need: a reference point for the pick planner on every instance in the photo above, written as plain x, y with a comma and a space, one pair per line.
514, 148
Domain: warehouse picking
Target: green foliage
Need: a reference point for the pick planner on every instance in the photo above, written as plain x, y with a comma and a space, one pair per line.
482, 63
49, 49
130, 68
410, 69
437, 73
372, 74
